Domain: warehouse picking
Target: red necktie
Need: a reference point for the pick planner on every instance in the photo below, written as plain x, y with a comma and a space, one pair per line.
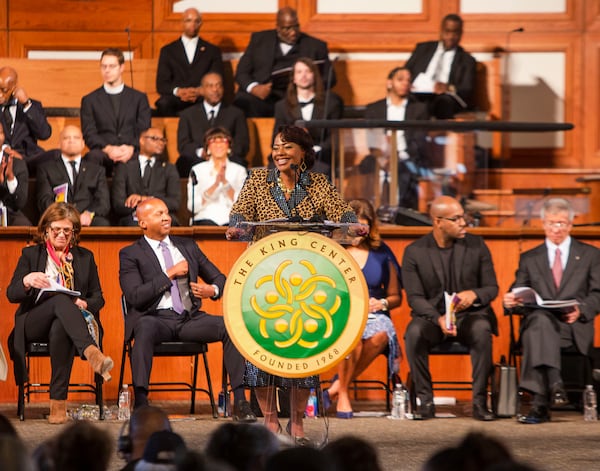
557, 269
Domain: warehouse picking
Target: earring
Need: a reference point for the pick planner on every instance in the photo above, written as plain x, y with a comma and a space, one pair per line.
303, 166
229, 151
208, 153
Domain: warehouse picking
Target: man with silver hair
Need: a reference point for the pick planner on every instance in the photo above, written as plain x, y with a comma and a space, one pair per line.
561, 268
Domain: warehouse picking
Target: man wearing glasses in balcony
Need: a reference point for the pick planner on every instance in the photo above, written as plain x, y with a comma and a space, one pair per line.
147, 175
263, 72
448, 260
560, 268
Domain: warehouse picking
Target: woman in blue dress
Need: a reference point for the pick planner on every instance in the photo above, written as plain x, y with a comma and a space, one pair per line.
382, 273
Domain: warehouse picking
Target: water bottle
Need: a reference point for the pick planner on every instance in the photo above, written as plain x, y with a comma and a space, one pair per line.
589, 403
124, 404
399, 399
311, 404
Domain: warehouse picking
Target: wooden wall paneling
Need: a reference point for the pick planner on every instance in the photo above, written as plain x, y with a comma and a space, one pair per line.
592, 16
68, 15
591, 105
21, 42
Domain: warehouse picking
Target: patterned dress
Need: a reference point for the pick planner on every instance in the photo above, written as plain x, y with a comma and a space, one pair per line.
262, 199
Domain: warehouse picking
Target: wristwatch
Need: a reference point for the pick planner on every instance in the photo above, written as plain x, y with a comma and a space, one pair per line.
385, 304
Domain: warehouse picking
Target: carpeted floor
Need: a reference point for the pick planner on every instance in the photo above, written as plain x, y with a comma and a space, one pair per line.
565, 443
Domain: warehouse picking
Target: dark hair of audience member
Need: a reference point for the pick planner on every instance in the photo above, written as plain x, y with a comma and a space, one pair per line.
246, 447
477, 451
300, 459
13, 454
80, 445
6, 427
352, 453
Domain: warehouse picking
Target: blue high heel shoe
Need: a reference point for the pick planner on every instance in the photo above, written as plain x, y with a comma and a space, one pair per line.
344, 415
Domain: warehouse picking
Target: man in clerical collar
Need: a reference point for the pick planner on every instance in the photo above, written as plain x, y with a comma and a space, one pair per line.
114, 115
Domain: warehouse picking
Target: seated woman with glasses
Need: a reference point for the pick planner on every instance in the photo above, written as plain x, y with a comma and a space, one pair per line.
44, 282
215, 184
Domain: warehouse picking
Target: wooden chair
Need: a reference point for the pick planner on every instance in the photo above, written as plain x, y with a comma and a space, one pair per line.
175, 349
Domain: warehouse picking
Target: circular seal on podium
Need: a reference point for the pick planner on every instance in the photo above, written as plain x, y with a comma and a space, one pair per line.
295, 304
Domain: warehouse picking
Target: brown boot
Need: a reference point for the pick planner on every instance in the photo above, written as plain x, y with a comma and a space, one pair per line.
100, 363
58, 412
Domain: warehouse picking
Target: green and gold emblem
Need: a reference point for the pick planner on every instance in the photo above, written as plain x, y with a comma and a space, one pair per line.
295, 304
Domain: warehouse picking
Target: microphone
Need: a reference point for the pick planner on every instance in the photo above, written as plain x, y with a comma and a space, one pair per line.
128, 31
295, 217
194, 180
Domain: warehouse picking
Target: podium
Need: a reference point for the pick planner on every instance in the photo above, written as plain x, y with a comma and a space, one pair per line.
296, 303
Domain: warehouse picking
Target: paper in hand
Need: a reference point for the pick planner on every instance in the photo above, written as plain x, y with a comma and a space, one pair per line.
452, 301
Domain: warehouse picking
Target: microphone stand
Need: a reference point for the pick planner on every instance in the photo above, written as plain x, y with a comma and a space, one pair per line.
326, 104
194, 180
130, 54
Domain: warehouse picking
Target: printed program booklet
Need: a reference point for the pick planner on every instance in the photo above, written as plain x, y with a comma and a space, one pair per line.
530, 298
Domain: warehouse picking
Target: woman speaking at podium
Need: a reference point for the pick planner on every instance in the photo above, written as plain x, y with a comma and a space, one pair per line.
289, 191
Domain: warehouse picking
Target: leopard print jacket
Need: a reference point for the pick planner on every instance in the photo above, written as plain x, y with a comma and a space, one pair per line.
261, 199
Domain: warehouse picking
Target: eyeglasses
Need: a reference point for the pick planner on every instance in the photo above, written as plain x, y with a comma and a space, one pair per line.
454, 219
67, 231
557, 224
218, 139
156, 138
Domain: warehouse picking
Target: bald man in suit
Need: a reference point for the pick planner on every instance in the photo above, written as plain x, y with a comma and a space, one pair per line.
560, 268
182, 64
449, 260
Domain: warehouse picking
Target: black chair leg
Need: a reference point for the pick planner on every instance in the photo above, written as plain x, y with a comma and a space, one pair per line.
211, 396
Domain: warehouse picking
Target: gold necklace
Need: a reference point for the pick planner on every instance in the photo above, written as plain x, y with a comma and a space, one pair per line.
283, 187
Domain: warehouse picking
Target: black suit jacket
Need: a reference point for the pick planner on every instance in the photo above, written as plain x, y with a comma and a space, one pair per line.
34, 258
256, 65
90, 192
28, 128
143, 282
174, 70
127, 180
101, 127
17, 200
193, 124
580, 280
415, 138
423, 277
462, 71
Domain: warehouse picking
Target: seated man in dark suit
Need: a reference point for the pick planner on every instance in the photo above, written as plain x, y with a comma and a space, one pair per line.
560, 268
114, 115
14, 183
181, 66
23, 119
206, 114
263, 71
147, 176
164, 279
448, 260
69, 177
442, 69
411, 144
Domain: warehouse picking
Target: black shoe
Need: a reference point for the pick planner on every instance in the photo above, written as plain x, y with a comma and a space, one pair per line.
140, 397
243, 413
425, 411
558, 395
480, 412
537, 415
